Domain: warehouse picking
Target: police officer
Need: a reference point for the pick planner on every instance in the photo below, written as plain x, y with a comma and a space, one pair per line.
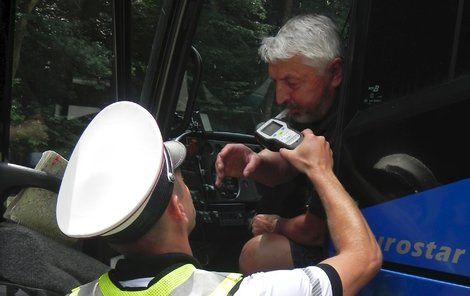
123, 183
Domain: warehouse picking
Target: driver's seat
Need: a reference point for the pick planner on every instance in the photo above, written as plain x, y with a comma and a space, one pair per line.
31, 262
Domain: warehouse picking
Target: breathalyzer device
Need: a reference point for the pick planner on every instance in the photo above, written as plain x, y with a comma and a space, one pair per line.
275, 134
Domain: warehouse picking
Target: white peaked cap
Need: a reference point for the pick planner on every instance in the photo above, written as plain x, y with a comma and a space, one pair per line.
119, 178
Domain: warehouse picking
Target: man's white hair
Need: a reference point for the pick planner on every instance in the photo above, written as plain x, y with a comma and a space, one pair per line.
314, 37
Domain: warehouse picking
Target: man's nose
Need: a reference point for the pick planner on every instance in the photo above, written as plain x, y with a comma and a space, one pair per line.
282, 94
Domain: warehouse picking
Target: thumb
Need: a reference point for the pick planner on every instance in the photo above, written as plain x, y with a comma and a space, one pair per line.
285, 153
218, 180
250, 167
254, 160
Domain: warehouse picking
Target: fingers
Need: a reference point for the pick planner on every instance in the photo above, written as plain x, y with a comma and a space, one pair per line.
257, 231
263, 223
313, 153
220, 164
307, 131
219, 171
251, 165
225, 150
230, 162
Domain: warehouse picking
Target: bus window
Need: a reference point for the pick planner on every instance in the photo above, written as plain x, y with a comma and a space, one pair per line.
235, 86
463, 60
407, 153
412, 94
404, 154
413, 46
63, 71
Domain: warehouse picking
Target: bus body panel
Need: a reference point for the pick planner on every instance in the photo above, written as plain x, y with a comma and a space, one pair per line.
395, 283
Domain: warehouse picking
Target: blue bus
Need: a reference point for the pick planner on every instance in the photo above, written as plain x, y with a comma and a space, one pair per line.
401, 149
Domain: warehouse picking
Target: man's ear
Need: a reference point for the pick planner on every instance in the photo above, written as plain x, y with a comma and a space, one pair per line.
336, 70
176, 207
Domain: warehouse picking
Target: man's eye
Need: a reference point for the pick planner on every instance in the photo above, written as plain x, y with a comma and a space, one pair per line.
293, 84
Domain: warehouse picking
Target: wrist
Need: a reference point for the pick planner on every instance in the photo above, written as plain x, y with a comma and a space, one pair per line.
321, 176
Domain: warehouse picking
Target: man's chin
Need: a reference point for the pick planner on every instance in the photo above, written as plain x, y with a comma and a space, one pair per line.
303, 117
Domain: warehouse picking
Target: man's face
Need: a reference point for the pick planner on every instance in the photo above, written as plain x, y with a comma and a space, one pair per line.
307, 93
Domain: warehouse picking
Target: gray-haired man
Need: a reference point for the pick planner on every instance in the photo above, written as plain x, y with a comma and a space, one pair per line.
305, 63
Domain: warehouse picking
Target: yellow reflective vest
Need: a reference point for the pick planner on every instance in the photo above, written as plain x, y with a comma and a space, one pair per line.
184, 280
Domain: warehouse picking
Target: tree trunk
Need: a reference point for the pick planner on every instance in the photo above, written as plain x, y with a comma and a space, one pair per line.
288, 5
20, 32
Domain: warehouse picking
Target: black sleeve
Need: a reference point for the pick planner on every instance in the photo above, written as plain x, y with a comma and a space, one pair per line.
335, 280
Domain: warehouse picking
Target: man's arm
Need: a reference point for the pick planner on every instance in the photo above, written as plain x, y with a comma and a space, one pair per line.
358, 257
306, 229
265, 167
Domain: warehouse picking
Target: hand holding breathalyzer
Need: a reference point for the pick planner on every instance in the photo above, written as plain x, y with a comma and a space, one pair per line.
312, 157
275, 134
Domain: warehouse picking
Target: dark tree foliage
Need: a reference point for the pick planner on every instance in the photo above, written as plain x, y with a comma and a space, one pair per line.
63, 55
228, 37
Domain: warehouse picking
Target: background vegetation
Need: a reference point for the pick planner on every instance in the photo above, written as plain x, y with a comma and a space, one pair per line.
63, 57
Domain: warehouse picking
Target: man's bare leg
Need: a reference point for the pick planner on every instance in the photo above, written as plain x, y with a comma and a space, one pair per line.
268, 251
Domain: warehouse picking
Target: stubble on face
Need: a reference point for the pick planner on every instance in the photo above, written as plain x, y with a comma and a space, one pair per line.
304, 90
310, 116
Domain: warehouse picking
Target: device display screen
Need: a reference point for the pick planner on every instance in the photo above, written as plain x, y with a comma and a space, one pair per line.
271, 128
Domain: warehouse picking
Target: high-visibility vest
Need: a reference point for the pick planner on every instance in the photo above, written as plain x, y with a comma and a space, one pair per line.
184, 280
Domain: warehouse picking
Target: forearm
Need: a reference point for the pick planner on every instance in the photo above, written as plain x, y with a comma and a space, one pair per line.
305, 229
358, 257
273, 169
347, 226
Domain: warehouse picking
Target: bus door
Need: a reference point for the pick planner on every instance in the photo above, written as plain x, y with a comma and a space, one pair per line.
234, 94
404, 153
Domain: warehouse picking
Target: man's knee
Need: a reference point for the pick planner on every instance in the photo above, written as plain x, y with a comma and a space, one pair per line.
249, 250
265, 252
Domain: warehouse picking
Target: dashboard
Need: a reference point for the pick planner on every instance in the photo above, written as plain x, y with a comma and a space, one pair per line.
223, 214
231, 204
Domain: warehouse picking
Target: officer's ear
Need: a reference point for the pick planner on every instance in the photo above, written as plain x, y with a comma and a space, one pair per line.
335, 68
176, 207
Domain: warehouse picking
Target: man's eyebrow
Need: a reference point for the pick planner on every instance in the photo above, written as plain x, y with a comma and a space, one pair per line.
290, 77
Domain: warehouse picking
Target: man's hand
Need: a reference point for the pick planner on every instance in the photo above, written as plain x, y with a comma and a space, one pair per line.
313, 155
235, 160
264, 224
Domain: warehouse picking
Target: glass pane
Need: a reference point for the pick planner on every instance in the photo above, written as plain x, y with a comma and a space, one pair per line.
236, 92
63, 70
463, 60
144, 22
407, 49
407, 153
410, 175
